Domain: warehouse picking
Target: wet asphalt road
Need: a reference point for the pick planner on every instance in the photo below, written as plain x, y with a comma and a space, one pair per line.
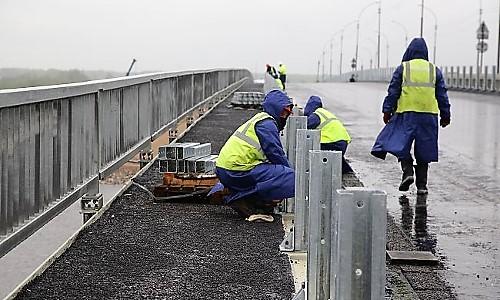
461, 221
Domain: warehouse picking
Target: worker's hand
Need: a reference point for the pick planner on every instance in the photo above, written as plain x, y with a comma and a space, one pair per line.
444, 122
387, 117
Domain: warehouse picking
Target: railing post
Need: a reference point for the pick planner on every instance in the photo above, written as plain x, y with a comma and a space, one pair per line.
293, 123
464, 76
296, 240
494, 79
485, 79
471, 76
325, 177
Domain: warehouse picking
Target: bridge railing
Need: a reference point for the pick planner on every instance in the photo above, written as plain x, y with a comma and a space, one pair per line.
457, 78
56, 142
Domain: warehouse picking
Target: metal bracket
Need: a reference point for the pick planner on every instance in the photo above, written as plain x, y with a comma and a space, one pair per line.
189, 121
172, 135
288, 243
301, 294
90, 205
145, 156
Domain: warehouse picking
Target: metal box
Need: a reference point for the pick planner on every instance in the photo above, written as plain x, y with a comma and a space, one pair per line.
206, 164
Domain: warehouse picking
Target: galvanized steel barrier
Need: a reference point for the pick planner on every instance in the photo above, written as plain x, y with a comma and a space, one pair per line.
464, 78
56, 142
342, 231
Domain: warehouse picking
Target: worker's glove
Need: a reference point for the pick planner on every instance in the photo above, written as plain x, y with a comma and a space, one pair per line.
444, 122
387, 117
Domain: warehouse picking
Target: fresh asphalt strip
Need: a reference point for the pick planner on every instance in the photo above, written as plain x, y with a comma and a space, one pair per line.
142, 250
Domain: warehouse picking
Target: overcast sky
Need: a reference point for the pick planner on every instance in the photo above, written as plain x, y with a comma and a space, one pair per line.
168, 35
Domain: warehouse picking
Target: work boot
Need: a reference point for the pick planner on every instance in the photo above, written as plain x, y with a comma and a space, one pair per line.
407, 179
243, 207
421, 174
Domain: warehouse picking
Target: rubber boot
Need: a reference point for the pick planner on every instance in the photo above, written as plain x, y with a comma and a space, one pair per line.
421, 174
407, 179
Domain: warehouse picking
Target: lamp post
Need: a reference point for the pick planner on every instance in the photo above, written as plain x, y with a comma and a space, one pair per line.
404, 29
357, 27
435, 32
342, 43
422, 20
387, 49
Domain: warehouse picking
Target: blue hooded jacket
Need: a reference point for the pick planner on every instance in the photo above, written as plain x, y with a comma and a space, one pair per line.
313, 120
416, 50
267, 130
403, 129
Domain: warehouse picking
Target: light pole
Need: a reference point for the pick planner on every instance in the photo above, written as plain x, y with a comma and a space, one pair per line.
498, 47
435, 32
387, 49
342, 43
357, 26
323, 68
422, 20
405, 30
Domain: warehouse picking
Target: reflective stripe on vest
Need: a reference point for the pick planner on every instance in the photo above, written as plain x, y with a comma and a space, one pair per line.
418, 91
331, 128
242, 151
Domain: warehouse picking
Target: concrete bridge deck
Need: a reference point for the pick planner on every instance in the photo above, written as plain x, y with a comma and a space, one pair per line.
460, 237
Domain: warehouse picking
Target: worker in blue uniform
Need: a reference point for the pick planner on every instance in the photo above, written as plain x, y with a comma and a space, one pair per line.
253, 165
334, 136
417, 95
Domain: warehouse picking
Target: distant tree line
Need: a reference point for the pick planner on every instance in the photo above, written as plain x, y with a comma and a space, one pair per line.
18, 78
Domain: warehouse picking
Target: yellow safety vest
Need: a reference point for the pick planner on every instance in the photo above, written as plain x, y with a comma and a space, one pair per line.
418, 91
332, 130
242, 151
280, 84
282, 69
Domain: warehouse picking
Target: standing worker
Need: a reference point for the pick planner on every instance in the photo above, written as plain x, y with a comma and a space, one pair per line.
271, 70
334, 136
416, 95
282, 73
252, 164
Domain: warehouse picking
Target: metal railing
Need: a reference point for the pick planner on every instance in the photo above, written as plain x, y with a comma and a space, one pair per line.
56, 142
457, 78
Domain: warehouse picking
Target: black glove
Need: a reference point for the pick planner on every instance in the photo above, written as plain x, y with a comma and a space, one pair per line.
387, 117
444, 122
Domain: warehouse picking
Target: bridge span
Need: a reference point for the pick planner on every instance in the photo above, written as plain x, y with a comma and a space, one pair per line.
458, 223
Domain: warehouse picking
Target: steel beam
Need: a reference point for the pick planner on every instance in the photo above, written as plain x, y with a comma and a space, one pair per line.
358, 241
325, 176
296, 240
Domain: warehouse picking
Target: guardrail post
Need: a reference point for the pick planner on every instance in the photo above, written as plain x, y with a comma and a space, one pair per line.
325, 177
293, 124
358, 264
296, 240
494, 79
464, 76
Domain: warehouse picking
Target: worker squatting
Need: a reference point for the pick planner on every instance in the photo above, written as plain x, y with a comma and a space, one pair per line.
252, 164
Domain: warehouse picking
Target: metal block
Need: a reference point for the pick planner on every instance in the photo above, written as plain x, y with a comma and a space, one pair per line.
412, 257
358, 264
206, 164
168, 151
167, 165
202, 150
185, 150
325, 177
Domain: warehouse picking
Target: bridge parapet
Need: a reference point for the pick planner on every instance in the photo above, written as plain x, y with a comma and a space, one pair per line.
465, 78
58, 141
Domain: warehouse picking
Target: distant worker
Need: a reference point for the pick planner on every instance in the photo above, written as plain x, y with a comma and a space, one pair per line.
416, 95
334, 136
353, 78
271, 70
282, 73
252, 164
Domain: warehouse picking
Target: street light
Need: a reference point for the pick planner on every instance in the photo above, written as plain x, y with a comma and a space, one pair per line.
422, 20
435, 32
405, 30
387, 49
357, 28
342, 42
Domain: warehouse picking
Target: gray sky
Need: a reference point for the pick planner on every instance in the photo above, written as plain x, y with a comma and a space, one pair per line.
173, 35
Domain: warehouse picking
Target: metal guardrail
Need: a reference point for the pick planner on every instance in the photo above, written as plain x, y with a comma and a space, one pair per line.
457, 78
58, 141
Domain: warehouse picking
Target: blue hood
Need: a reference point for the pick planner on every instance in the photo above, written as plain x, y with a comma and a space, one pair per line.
274, 102
313, 103
417, 49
